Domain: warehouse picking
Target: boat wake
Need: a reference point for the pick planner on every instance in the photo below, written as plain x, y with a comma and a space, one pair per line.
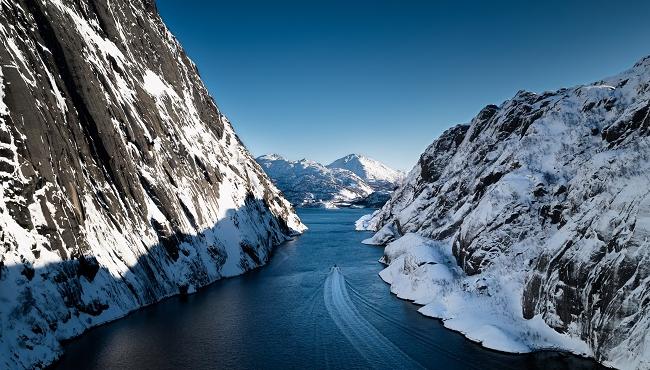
376, 349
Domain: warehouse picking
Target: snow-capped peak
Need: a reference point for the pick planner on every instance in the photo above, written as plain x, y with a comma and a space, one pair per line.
307, 183
368, 169
353, 179
271, 157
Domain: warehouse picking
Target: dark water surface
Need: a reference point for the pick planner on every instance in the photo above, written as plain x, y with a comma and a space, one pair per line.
276, 317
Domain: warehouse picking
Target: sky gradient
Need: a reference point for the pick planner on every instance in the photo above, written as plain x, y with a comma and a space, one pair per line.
321, 79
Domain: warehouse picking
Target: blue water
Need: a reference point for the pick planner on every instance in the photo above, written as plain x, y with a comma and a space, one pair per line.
295, 313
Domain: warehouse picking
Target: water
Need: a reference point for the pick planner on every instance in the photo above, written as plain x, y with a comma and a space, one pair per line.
297, 312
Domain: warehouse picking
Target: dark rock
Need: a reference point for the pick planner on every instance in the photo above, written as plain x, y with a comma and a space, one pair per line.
251, 252
585, 246
88, 267
103, 162
638, 124
539, 191
430, 162
484, 182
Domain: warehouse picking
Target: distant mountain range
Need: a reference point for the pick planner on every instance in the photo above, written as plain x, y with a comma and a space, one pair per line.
353, 180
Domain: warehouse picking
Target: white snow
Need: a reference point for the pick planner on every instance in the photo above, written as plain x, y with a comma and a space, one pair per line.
368, 169
88, 32
362, 223
240, 206
3, 106
307, 183
483, 195
485, 307
21, 64
154, 85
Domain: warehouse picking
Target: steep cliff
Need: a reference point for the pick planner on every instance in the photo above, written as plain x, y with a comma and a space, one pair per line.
122, 183
543, 203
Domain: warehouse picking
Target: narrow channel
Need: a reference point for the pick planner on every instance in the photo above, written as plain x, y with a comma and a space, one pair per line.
297, 312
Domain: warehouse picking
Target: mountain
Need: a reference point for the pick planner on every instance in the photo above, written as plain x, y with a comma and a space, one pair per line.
307, 183
376, 174
122, 182
528, 228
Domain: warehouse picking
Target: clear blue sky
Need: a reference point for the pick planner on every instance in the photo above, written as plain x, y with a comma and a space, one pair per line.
320, 79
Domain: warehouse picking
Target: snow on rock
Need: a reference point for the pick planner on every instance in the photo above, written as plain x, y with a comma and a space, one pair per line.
482, 307
307, 183
155, 86
375, 173
121, 183
363, 222
543, 203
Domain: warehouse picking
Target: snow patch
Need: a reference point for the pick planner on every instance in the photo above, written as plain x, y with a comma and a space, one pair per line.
155, 86
3, 107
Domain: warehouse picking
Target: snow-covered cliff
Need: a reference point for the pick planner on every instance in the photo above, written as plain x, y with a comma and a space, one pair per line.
536, 215
351, 180
121, 182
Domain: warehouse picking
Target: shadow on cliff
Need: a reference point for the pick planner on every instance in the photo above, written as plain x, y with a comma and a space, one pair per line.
83, 291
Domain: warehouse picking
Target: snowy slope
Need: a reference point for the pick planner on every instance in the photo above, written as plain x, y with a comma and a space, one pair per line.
121, 182
307, 183
375, 173
538, 213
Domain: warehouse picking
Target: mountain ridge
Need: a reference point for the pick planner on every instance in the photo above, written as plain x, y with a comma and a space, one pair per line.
368, 169
536, 211
307, 183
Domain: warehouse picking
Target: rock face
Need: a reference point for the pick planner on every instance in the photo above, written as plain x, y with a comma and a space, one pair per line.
552, 188
121, 182
352, 180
